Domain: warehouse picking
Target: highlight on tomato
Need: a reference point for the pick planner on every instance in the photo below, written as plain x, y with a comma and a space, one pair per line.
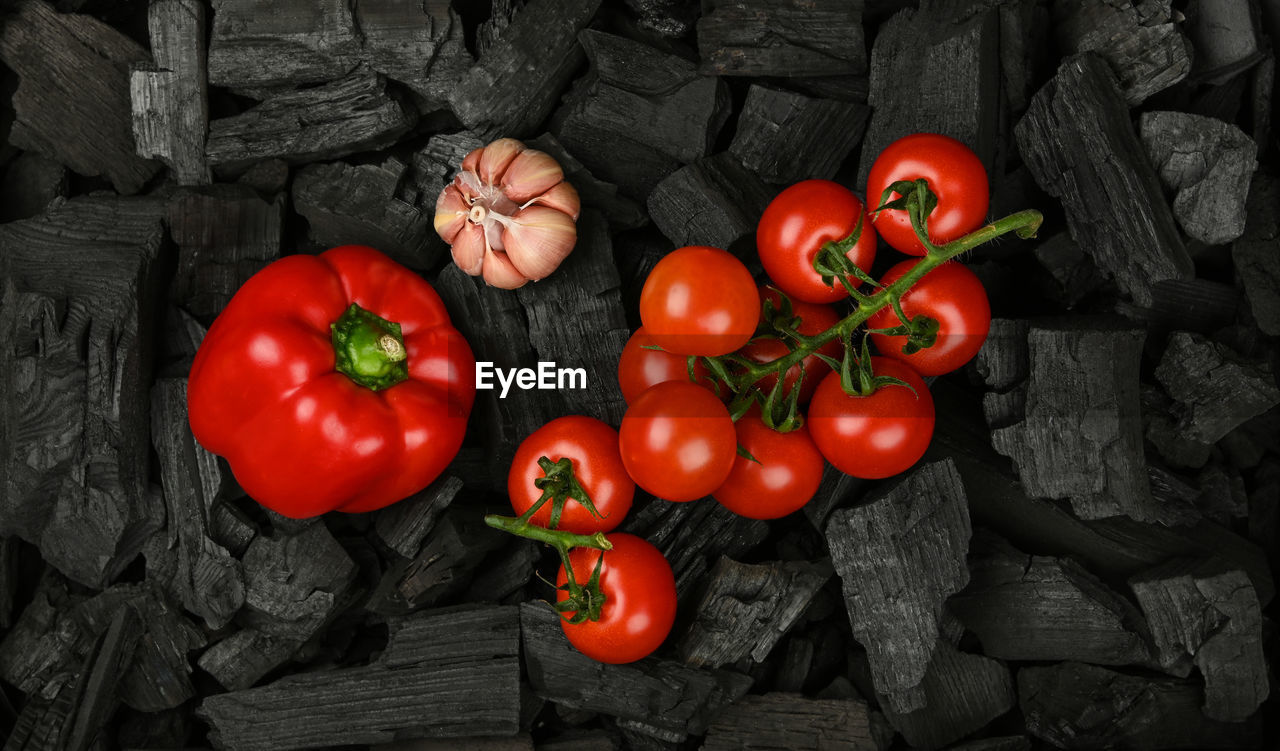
953, 296
955, 175
774, 473
571, 470
677, 441
699, 300
795, 226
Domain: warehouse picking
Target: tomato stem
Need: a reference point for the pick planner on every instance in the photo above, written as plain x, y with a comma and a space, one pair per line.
584, 602
559, 485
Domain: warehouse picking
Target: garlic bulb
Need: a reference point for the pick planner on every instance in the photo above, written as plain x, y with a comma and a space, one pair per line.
509, 215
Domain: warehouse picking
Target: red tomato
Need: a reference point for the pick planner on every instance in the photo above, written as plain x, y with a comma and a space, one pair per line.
639, 367
874, 436
784, 477
814, 319
950, 294
639, 600
677, 441
956, 176
699, 301
592, 446
793, 229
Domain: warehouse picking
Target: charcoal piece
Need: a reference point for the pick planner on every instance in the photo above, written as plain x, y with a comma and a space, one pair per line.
668, 18
1222, 496
1207, 163
1161, 427
170, 98
435, 164
72, 101
267, 177
505, 572
295, 43
516, 83
797, 660
1216, 389
1073, 271
225, 234
962, 692
1081, 438
369, 204
45, 643
1140, 41
10, 549
1210, 617
1201, 305
345, 116
835, 490
791, 721
243, 658
1175, 497
667, 697
932, 72
421, 45
1225, 39
1025, 607
1005, 743
1262, 98
403, 525
1004, 360
75, 378
785, 137
639, 112
584, 290
694, 536
30, 183
1257, 254
622, 212
714, 201
1077, 706
158, 675
899, 557
444, 566
501, 13
781, 38
460, 665
745, 609
1078, 142
200, 573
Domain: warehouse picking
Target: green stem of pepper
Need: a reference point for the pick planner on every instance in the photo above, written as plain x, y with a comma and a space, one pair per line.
369, 349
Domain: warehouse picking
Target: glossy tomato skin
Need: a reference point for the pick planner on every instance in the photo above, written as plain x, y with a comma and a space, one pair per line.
794, 227
874, 436
954, 296
814, 319
785, 476
677, 441
699, 300
592, 446
955, 175
640, 367
640, 600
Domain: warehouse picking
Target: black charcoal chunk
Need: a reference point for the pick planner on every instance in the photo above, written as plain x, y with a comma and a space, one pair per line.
1225, 38
516, 82
1222, 495
31, 182
1257, 254
1207, 164
419, 44
781, 38
899, 557
1073, 271
1077, 706
1025, 607
72, 101
170, 97
669, 18
435, 164
639, 112
345, 116
962, 692
1081, 436
1210, 618
791, 721
664, 697
403, 525
934, 70
1079, 143
1216, 389
444, 674
1005, 743
784, 136
225, 234
369, 204
622, 212
446, 563
714, 201
1140, 42
745, 609
1201, 305
1004, 361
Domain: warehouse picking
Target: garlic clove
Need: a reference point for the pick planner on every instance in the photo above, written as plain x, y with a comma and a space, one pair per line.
538, 238
471, 162
496, 158
500, 272
468, 248
451, 213
532, 173
562, 197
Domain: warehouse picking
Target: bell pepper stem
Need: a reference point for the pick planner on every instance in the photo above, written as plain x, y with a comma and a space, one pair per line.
369, 349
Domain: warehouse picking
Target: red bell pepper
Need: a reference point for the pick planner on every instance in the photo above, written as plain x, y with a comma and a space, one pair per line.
332, 382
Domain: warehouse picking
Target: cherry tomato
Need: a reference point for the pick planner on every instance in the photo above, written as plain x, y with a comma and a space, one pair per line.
677, 441
639, 600
814, 319
956, 176
699, 301
785, 475
874, 436
640, 367
592, 446
793, 229
952, 295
